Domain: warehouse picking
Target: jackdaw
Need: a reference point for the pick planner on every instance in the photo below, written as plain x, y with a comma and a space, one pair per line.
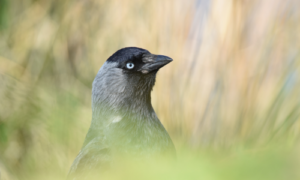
123, 120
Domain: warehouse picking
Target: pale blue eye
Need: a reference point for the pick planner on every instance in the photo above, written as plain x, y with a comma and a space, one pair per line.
130, 65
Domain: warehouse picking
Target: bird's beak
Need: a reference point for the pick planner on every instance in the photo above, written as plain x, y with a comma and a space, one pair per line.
154, 62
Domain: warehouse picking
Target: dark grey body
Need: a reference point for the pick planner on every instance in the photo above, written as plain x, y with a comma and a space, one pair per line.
123, 120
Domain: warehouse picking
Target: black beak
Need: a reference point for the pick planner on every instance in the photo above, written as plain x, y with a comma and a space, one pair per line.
154, 62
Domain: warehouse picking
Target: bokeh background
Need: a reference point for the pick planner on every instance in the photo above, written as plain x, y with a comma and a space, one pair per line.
230, 100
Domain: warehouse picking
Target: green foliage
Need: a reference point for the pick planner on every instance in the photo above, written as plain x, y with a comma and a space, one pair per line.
3, 13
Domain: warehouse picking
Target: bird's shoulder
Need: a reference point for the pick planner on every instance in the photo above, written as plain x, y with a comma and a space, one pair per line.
94, 155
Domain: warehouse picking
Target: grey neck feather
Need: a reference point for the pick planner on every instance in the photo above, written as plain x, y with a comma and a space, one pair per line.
114, 93
123, 116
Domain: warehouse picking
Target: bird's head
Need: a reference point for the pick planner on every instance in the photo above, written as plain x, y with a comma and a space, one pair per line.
127, 76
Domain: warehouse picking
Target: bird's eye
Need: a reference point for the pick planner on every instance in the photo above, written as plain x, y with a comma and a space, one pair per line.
130, 65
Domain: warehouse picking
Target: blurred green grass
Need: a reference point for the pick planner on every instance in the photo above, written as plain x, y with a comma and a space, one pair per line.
230, 100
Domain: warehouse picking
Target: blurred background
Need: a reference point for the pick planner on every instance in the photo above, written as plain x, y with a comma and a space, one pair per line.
229, 100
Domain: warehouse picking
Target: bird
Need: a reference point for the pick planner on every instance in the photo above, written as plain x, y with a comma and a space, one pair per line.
124, 122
